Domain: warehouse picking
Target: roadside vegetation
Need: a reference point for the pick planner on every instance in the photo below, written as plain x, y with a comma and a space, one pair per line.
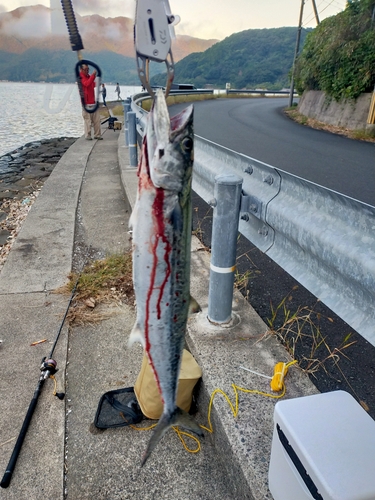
359, 134
301, 333
338, 56
102, 282
117, 110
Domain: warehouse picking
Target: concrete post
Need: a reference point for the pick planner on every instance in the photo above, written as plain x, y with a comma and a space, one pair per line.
227, 194
133, 150
127, 109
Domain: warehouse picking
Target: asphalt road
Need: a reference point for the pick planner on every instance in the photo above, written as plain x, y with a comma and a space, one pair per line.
258, 128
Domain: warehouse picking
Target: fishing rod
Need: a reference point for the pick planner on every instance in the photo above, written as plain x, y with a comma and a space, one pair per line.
77, 45
48, 368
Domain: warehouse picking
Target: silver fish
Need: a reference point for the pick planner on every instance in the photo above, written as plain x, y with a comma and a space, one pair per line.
161, 223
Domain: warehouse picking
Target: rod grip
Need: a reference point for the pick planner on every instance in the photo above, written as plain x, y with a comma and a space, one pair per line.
6, 479
21, 436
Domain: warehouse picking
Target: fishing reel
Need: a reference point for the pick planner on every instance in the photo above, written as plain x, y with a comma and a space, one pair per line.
48, 369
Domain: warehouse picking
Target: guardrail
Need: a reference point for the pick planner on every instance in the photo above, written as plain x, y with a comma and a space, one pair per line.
322, 238
260, 92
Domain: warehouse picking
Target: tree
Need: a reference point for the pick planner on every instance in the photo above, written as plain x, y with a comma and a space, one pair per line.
339, 55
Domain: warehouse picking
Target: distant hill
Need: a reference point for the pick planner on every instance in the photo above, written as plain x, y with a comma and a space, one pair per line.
33, 48
249, 59
33, 66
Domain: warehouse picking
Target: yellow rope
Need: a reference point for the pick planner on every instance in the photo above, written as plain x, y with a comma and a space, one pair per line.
183, 433
55, 384
277, 385
143, 428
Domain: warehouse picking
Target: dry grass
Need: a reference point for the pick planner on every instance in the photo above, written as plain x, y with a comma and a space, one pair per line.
177, 99
302, 327
103, 282
362, 135
117, 110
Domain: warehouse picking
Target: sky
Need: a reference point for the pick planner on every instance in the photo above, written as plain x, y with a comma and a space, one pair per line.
210, 18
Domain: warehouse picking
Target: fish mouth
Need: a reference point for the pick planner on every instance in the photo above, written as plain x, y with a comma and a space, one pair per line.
169, 145
164, 127
160, 121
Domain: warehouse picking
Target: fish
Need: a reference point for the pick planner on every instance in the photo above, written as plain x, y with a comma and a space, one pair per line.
161, 224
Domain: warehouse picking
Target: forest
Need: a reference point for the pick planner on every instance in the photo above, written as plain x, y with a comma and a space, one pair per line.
256, 58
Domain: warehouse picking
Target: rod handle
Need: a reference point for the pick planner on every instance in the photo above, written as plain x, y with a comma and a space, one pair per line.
6, 479
21, 436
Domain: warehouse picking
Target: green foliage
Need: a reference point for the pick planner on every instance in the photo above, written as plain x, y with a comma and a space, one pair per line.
259, 58
339, 55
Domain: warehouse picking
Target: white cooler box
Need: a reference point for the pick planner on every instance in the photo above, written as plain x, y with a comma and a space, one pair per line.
323, 448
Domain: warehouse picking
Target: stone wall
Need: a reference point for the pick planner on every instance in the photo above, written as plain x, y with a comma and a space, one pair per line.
351, 114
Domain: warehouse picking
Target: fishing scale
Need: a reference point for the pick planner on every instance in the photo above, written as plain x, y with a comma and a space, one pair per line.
152, 36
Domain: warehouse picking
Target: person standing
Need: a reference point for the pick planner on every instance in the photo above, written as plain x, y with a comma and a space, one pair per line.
90, 119
104, 94
117, 89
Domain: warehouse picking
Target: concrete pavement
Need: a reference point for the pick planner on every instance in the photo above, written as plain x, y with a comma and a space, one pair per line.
85, 204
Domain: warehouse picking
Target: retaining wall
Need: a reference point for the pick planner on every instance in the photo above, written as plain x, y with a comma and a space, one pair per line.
349, 113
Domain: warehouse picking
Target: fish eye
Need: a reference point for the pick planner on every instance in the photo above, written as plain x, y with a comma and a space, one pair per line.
187, 143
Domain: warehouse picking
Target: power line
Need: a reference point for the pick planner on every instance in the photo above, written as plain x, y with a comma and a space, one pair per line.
312, 15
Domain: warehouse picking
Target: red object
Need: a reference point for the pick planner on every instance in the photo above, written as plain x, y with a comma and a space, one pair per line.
88, 86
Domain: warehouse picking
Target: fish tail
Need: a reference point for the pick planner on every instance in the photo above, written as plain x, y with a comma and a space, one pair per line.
167, 420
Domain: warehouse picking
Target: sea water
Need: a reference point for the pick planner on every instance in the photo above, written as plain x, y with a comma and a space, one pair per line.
34, 111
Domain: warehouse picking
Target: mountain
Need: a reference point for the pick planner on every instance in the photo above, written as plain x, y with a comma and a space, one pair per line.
249, 59
37, 40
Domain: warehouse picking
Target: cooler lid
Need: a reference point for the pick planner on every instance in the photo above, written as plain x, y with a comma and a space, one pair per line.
334, 438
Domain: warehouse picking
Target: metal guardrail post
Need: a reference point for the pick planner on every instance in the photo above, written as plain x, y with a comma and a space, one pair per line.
227, 193
127, 109
133, 147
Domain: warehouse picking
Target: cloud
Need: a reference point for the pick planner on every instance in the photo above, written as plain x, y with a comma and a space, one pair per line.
112, 32
106, 8
30, 24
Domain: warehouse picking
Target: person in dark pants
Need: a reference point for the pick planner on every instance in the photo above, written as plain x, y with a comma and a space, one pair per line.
104, 94
117, 89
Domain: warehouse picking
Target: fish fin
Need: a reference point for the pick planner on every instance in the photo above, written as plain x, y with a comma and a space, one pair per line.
136, 335
194, 307
177, 417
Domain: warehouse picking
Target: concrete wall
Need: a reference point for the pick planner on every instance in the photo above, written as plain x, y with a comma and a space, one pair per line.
350, 114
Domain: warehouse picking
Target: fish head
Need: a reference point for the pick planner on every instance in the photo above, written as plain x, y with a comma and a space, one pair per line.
170, 146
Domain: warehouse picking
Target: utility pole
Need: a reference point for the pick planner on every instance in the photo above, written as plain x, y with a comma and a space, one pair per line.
315, 12
296, 53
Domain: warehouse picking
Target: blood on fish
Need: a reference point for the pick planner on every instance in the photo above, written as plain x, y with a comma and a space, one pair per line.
158, 214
